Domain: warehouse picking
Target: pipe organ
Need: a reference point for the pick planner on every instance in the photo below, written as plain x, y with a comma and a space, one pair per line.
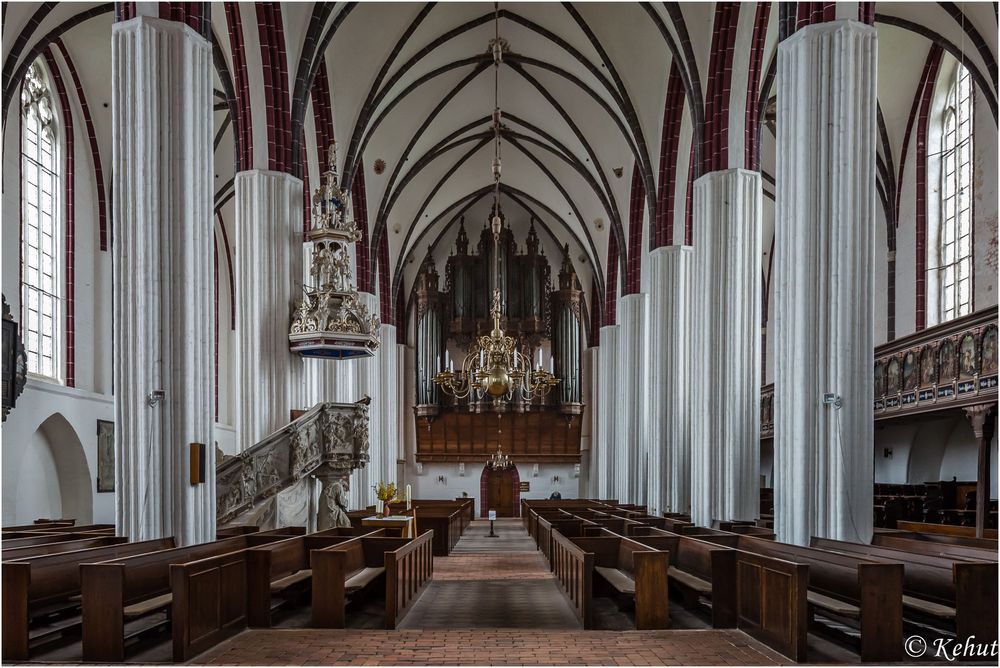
430, 340
567, 333
546, 321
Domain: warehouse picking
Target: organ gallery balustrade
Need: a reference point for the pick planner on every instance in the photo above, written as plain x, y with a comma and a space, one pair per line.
950, 365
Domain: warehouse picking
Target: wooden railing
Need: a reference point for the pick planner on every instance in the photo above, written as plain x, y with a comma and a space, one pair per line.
574, 569
407, 571
950, 365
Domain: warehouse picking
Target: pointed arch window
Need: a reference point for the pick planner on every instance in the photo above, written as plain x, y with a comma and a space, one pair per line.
954, 269
41, 284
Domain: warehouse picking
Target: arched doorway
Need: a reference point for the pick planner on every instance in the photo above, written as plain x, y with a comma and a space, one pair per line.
500, 491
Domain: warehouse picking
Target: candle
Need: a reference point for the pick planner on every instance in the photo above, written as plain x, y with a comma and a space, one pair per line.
552, 364
539, 358
447, 358
409, 498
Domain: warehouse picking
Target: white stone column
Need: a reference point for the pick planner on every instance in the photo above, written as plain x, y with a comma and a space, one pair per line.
670, 379
592, 416
385, 410
633, 396
725, 388
368, 381
163, 299
268, 258
824, 285
607, 412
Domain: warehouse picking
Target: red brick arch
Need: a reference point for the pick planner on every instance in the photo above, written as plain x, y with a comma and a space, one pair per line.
484, 478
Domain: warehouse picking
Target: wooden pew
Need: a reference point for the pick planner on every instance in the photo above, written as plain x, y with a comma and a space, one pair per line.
944, 530
236, 530
951, 550
747, 530
845, 586
467, 506
763, 596
634, 571
28, 539
36, 585
447, 525
772, 602
574, 568
966, 541
134, 587
278, 566
212, 597
940, 588
61, 546
534, 516
345, 569
62, 524
698, 569
569, 525
676, 524
408, 569
87, 528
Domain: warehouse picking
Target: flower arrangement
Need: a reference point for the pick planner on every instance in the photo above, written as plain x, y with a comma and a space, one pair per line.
387, 495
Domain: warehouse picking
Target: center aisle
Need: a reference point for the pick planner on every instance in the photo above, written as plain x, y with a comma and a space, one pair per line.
492, 583
492, 602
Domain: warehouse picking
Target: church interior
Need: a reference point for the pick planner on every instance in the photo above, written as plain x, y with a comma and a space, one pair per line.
474, 333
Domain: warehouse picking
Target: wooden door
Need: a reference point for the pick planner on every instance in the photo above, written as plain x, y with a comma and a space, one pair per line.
500, 493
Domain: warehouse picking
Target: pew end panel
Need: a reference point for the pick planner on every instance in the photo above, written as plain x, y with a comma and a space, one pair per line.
16, 582
652, 602
408, 569
771, 602
976, 601
329, 597
102, 587
881, 586
209, 603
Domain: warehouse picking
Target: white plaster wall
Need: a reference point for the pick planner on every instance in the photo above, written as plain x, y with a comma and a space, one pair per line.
24, 460
984, 250
881, 275
39, 500
929, 450
425, 485
984, 216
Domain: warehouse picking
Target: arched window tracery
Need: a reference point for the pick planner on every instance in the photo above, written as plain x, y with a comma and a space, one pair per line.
41, 225
953, 268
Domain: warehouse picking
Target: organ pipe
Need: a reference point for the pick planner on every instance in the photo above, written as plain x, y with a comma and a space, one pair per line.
430, 339
566, 336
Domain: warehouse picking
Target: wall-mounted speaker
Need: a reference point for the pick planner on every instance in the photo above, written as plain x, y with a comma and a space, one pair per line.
198, 464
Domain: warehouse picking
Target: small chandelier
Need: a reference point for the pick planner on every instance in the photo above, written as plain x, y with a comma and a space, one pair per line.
499, 461
494, 366
330, 320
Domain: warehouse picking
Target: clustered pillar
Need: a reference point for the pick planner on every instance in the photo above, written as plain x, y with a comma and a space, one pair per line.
725, 378
824, 285
268, 239
632, 393
669, 434
163, 300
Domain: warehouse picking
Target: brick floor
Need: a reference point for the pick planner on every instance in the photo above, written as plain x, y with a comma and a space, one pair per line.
493, 602
510, 566
461, 647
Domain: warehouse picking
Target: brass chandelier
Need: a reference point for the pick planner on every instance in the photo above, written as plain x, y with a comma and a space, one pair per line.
499, 461
494, 366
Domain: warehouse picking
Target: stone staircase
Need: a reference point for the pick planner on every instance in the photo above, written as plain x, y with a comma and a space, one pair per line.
279, 480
